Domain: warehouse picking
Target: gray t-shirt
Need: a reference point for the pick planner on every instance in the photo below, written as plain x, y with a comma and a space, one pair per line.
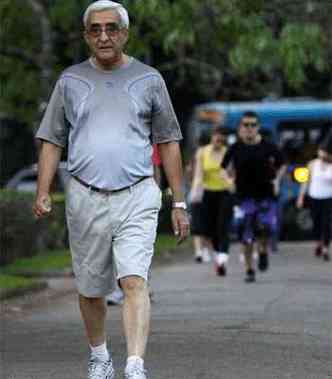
109, 120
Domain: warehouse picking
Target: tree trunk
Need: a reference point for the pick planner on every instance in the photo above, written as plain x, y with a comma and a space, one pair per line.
45, 57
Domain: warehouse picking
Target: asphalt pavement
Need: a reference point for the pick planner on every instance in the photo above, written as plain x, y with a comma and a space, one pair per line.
203, 326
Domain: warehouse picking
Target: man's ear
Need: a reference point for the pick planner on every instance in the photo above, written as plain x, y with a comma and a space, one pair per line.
125, 36
85, 35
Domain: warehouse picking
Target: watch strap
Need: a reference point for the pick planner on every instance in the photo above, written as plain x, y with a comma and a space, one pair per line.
179, 205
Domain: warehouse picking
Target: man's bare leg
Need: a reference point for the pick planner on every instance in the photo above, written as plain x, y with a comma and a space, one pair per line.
248, 255
136, 314
248, 252
197, 241
263, 245
93, 312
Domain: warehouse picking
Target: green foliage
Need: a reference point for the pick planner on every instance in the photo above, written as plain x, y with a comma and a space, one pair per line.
52, 261
305, 44
21, 234
195, 42
20, 90
255, 47
8, 282
165, 242
201, 40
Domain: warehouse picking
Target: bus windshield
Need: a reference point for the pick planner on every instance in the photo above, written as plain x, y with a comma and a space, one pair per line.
300, 140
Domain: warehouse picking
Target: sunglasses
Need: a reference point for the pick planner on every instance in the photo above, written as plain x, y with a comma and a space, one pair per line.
111, 30
250, 124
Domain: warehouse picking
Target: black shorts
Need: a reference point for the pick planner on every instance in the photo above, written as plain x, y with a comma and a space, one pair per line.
196, 219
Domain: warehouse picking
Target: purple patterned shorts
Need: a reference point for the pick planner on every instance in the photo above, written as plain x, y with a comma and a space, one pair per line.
258, 217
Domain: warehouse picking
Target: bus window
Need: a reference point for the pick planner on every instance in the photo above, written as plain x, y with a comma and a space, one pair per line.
300, 140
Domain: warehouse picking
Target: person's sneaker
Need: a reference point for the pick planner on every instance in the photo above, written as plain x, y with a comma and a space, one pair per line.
198, 257
326, 257
318, 251
115, 298
263, 262
250, 276
136, 372
220, 262
206, 257
98, 369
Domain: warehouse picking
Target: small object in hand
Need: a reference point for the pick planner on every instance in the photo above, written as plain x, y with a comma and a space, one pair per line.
47, 205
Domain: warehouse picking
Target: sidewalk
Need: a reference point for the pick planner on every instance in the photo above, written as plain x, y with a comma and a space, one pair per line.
203, 326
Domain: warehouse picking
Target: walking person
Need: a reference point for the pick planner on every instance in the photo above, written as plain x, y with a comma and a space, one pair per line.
255, 164
319, 189
108, 109
202, 245
217, 205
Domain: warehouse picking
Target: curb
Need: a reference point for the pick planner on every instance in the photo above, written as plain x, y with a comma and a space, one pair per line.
16, 292
68, 272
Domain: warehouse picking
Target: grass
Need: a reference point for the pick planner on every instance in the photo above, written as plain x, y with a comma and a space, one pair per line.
8, 282
165, 242
56, 260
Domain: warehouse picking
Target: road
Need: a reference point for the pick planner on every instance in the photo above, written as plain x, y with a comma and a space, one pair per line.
203, 326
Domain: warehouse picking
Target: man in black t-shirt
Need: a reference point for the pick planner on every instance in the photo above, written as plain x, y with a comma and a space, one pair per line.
255, 164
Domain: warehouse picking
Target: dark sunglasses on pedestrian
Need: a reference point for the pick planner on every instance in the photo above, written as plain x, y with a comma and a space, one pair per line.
111, 29
250, 124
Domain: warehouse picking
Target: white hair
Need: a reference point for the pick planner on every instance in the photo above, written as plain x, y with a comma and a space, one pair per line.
101, 5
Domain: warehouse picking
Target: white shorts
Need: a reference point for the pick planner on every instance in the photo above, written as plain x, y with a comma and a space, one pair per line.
111, 233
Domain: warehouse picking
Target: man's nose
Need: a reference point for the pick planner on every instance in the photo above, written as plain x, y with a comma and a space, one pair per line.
104, 36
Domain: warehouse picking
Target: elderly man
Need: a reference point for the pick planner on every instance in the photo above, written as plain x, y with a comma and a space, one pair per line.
109, 109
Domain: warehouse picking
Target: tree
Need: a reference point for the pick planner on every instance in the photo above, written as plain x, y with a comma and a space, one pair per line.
37, 38
234, 48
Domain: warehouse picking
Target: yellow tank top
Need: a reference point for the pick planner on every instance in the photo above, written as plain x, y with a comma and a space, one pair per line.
211, 170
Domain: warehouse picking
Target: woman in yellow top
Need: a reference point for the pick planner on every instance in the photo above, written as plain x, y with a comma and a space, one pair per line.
217, 204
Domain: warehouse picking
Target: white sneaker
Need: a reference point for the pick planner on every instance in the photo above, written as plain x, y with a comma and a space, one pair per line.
220, 261
221, 258
115, 298
136, 372
206, 257
198, 256
98, 369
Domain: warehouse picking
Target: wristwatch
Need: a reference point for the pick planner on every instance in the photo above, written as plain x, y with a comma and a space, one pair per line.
179, 205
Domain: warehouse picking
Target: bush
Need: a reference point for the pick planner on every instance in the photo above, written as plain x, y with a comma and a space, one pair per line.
22, 235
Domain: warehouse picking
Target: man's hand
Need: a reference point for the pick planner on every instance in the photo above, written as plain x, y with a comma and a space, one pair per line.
42, 206
180, 223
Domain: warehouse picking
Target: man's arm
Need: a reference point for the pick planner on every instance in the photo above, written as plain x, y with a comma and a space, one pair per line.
303, 189
49, 158
172, 163
197, 182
